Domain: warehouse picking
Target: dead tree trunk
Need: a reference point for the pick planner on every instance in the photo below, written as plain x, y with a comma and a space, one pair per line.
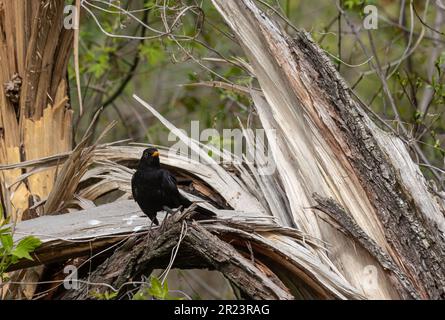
35, 114
331, 147
35, 117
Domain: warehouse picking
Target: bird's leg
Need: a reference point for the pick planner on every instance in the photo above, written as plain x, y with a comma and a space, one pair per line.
168, 210
178, 209
172, 211
149, 231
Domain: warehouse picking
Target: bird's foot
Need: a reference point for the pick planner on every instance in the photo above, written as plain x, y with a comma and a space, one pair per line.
171, 211
168, 210
150, 233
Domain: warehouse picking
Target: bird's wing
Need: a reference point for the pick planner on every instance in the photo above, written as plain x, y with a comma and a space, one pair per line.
168, 182
134, 189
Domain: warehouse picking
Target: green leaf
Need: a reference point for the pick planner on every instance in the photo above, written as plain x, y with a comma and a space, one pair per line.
104, 296
110, 295
141, 295
5, 231
25, 247
153, 52
165, 290
149, 4
156, 289
7, 242
101, 65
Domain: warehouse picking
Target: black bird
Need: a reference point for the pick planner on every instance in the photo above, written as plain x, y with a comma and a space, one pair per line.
155, 189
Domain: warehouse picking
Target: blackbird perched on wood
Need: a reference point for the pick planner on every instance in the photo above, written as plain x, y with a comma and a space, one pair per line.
155, 189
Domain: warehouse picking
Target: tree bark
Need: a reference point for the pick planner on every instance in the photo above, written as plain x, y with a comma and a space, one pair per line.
35, 116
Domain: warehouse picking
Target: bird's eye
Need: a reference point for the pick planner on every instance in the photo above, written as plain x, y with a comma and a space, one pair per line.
146, 154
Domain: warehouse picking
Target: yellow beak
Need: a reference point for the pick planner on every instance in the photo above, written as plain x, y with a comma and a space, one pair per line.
155, 154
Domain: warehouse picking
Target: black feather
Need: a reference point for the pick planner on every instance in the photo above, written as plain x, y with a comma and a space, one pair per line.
154, 188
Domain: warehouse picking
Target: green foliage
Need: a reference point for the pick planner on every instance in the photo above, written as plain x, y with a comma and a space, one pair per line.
11, 253
418, 116
357, 4
156, 290
153, 52
104, 296
149, 4
25, 247
436, 143
97, 61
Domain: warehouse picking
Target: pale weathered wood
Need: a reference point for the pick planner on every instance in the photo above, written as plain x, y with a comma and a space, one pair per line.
79, 232
34, 48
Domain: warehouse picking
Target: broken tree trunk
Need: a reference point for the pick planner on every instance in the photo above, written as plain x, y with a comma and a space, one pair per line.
328, 145
197, 248
121, 232
35, 117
